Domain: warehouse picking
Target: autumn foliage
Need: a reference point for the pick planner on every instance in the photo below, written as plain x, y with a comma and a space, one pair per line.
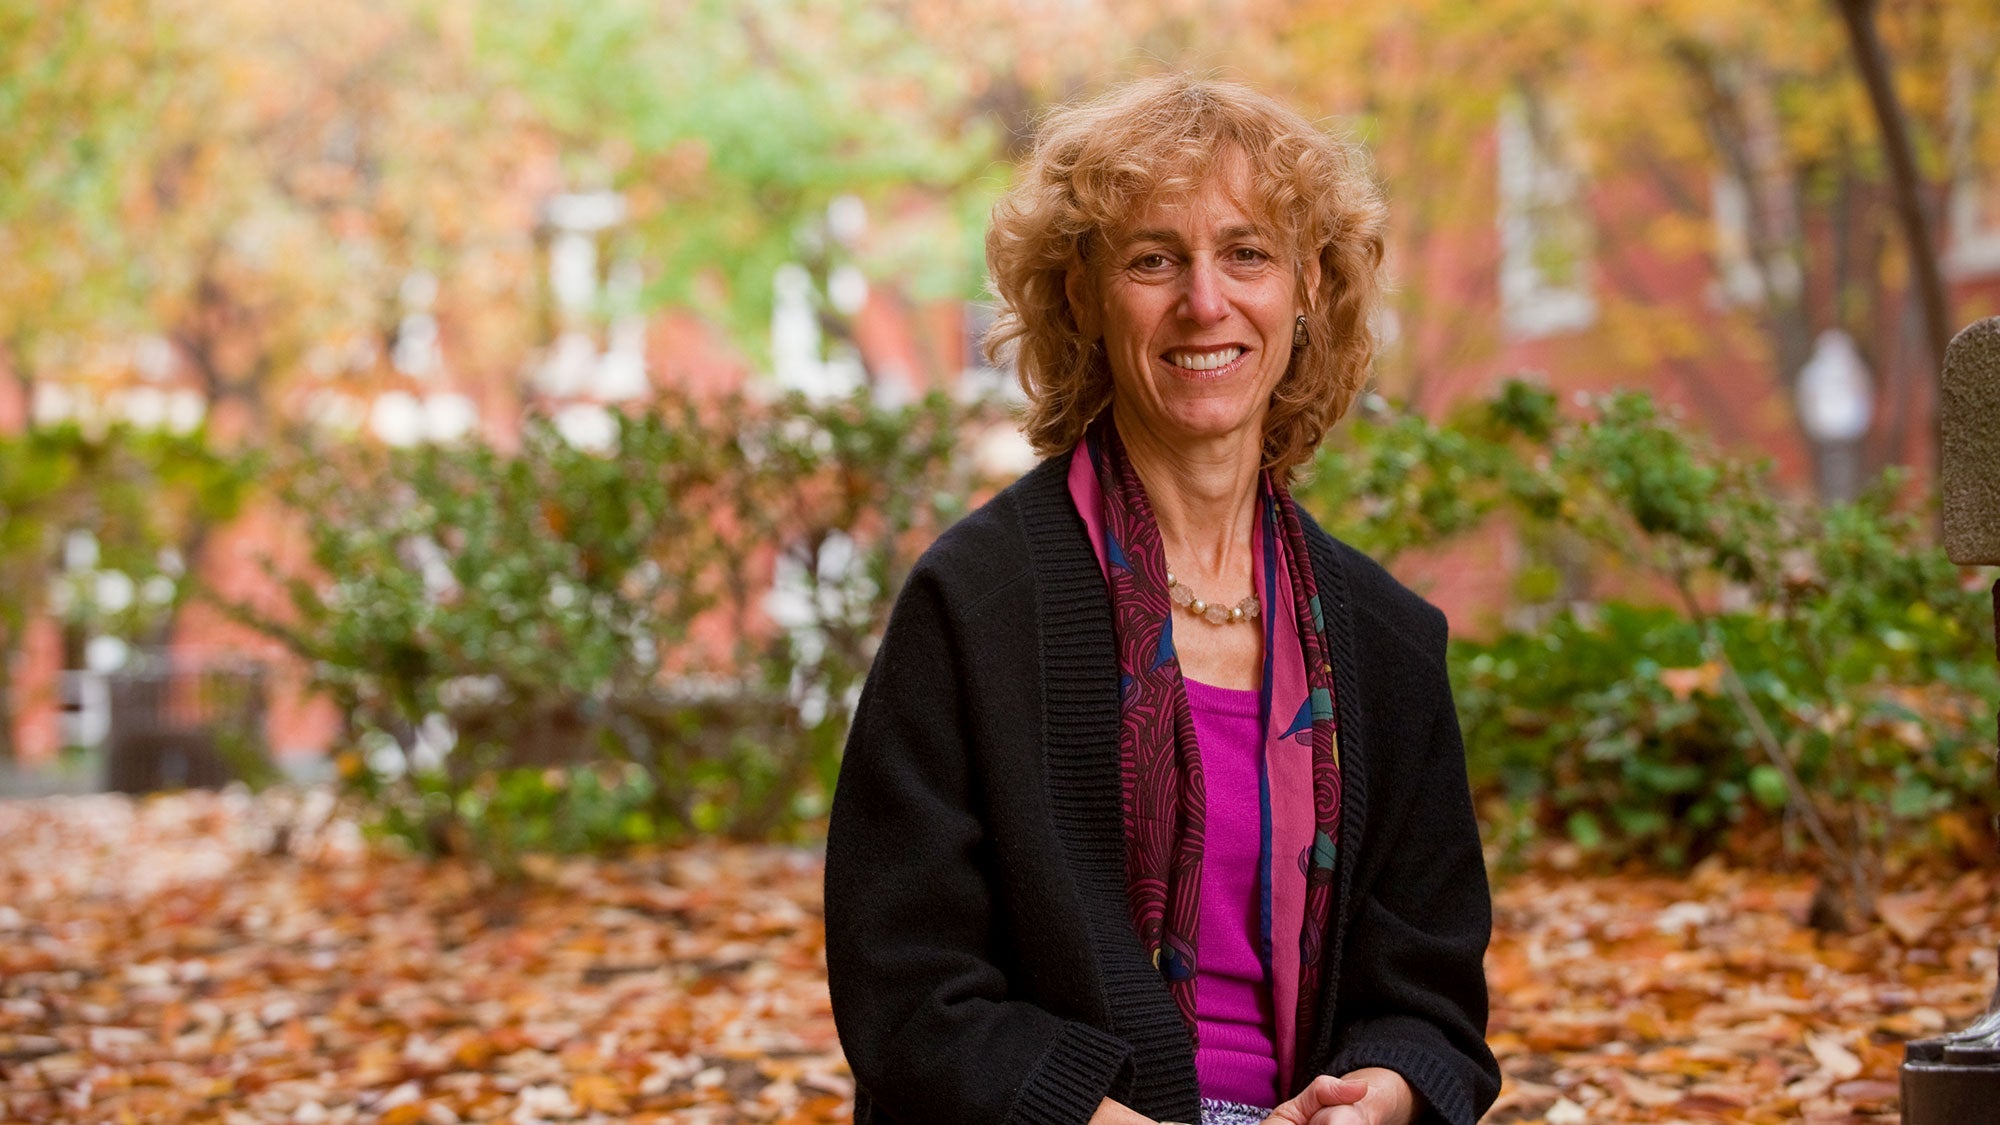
1732, 748
261, 963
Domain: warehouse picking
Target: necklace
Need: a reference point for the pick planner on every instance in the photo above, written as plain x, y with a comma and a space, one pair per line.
1214, 614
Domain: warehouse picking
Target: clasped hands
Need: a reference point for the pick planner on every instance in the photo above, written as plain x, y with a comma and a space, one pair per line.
1369, 1096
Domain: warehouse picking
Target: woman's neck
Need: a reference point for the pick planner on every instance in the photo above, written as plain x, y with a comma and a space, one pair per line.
1204, 499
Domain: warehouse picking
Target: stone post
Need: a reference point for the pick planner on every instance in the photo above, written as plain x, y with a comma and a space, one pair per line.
1956, 1078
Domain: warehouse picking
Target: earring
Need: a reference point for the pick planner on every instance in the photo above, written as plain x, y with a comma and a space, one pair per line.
1299, 336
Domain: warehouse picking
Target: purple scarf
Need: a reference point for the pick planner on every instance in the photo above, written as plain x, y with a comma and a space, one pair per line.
1165, 807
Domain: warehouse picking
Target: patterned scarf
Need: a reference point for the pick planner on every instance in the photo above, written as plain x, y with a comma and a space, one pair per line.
1165, 807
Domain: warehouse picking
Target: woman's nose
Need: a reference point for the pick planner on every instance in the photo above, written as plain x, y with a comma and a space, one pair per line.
1203, 302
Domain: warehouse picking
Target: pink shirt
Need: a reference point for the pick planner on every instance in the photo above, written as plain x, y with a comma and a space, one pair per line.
1236, 1059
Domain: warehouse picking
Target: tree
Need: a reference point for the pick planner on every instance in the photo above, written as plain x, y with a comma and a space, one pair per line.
729, 128
79, 87
1873, 63
1664, 99
251, 190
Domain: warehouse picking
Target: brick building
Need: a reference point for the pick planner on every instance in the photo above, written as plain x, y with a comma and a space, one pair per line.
1540, 278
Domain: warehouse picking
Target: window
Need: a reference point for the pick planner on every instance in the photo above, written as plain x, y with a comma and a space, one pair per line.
1545, 235
1973, 209
599, 350
1738, 280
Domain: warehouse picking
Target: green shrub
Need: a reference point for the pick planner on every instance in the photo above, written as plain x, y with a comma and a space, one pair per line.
495, 626
512, 635
1612, 725
1826, 666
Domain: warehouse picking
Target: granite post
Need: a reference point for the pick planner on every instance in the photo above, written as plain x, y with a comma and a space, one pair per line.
1956, 1078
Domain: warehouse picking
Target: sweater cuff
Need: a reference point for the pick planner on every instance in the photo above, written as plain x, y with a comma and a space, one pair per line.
1077, 1072
1441, 1080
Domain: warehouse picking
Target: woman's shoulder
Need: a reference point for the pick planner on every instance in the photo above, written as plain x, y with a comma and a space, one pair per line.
1378, 598
989, 549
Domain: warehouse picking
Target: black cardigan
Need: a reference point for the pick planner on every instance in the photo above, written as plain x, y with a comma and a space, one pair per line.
980, 953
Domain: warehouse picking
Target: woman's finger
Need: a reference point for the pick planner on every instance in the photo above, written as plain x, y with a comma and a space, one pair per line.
1320, 1094
1341, 1115
1327, 1090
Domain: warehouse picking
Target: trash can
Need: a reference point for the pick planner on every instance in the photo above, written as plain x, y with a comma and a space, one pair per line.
175, 725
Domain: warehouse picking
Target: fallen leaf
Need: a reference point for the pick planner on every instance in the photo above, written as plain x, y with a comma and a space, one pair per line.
1833, 1057
597, 1092
1566, 1112
1911, 917
1867, 1090
687, 984
1647, 1093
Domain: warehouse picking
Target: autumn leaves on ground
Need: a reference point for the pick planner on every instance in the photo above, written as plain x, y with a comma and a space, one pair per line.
204, 957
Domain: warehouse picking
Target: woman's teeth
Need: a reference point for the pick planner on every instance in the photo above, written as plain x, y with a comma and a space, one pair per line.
1204, 361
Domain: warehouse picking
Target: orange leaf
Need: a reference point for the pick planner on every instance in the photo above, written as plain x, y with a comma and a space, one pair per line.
597, 1092
1911, 917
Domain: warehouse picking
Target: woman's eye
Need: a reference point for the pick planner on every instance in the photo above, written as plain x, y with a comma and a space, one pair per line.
1151, 261
1248, 254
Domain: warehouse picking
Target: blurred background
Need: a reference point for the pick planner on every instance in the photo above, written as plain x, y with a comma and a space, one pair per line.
524, 413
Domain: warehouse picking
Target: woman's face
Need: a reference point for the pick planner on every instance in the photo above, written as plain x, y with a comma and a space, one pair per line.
1196, 303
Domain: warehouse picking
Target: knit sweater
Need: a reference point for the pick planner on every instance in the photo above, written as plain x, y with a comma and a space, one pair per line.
980, 953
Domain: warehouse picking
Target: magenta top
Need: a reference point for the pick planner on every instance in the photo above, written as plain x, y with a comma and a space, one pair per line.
1236, 1058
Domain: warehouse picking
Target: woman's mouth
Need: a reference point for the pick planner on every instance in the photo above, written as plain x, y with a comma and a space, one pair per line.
1205, 359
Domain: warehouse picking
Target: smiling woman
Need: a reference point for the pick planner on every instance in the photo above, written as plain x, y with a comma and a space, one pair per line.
1305, 197
1199, 311
1154, 806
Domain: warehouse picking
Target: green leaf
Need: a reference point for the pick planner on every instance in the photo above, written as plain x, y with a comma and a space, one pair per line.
1767, 787
1585, 830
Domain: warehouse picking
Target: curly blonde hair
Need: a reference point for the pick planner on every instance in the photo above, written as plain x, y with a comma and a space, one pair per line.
1094, 164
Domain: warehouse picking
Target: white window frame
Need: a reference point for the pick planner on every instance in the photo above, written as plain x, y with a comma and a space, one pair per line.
599, 354
1972, 240
1536, 183
1738, 281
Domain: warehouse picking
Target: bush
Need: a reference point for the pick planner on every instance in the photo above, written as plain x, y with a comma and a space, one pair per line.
545, 648
1613, 726
558, 648
1824, 665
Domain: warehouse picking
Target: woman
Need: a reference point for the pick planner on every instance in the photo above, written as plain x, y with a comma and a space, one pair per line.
1154, 806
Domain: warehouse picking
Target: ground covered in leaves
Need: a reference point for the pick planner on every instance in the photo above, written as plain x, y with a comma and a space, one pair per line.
209, 957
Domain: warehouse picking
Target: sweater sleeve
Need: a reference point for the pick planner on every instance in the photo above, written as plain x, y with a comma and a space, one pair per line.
1413, 985
922, 1007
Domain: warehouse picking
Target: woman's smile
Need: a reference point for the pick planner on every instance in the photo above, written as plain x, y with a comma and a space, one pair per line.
1207, 361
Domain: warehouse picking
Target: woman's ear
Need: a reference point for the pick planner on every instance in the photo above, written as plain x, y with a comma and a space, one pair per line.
1082, 297
1311, 273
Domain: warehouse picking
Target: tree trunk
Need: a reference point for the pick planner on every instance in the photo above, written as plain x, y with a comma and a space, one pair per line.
1737, 116
1873, 62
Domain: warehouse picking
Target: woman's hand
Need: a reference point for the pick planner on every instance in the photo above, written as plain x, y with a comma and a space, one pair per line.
1369, 1096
